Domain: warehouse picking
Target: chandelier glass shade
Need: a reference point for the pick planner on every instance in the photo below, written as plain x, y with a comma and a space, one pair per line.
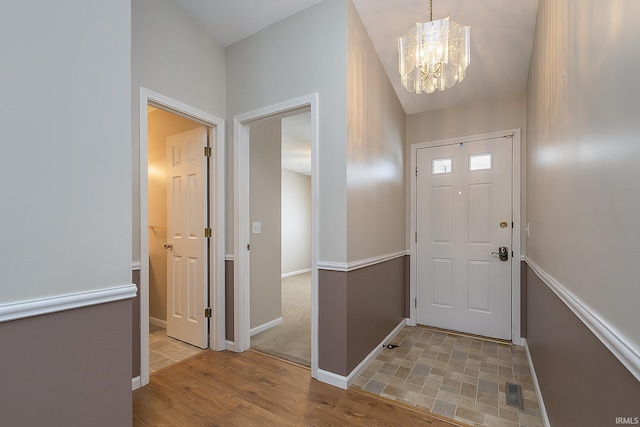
434, 55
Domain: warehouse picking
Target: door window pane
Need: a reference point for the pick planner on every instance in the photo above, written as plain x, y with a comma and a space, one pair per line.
478, 162
439, 166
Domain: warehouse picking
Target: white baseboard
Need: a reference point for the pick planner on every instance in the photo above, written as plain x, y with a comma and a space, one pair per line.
345, 382
231, 346
295, 273
158, 322
135, 383
266, 326
333, 379
536, 386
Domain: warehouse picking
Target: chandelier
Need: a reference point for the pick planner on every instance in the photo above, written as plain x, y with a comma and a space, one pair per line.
434, 55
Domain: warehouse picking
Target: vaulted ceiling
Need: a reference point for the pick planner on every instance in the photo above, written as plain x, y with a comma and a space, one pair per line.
501, 38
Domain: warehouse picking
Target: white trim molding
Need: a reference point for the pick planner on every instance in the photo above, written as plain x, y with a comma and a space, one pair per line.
135, 265
345, 382
136, 383
37, 307
516, 177
606, 333
230, 345
228, 257
536, 386
266, 326
355, 265
241, 232
216, 218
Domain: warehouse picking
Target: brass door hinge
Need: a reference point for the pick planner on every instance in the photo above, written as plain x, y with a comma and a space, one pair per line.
207, 232
207, 151
207, 312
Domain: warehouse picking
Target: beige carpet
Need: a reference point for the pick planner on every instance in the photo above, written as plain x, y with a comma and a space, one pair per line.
291, 340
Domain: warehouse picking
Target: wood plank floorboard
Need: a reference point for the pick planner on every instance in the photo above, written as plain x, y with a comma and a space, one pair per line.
253, 389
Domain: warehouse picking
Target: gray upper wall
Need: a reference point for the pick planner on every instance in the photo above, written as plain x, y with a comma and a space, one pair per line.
324, 50
300, 55
583, 99
65, 116
171, 55
375, 151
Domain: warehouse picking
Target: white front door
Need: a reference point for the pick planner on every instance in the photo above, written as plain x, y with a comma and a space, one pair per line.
187, 246
464, 214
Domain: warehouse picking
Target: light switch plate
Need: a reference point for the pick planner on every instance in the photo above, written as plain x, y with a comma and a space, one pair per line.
256, 227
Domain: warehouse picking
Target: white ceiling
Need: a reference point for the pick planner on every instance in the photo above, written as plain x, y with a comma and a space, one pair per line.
231, 20
501, 38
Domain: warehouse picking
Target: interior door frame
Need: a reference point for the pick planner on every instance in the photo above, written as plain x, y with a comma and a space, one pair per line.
242, 333
216, 219
515, 134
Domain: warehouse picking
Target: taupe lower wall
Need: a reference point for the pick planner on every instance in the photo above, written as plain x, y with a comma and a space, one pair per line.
135, 327
71, 368
407, 287
358, 310
228, 300
582, 382
332, 321
523, 299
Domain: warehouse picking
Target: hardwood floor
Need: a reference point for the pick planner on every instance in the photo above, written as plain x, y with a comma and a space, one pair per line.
251, 389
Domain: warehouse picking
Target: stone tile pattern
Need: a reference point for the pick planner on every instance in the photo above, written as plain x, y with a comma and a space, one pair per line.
458, 377
165, 351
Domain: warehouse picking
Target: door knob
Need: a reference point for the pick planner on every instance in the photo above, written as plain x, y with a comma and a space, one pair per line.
503, 253
168, 246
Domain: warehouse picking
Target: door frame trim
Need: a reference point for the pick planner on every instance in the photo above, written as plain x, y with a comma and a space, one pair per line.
216, 219
242, 338
516, 141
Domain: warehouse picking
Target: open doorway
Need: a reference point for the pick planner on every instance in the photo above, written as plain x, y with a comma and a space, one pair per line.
207, 313
243, 223
169, 343
280, 192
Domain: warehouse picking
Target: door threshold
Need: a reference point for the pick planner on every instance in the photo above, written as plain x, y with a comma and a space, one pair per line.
465, 334
417, 409
273, 356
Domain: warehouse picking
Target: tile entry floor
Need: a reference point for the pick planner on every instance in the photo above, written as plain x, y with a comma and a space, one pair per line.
458, 377
165, 351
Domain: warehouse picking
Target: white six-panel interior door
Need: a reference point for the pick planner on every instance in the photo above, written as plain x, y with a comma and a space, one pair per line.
187, 246
463, 215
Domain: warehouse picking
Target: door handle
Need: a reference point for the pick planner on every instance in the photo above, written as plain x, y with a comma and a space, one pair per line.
168, 246
503, 253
